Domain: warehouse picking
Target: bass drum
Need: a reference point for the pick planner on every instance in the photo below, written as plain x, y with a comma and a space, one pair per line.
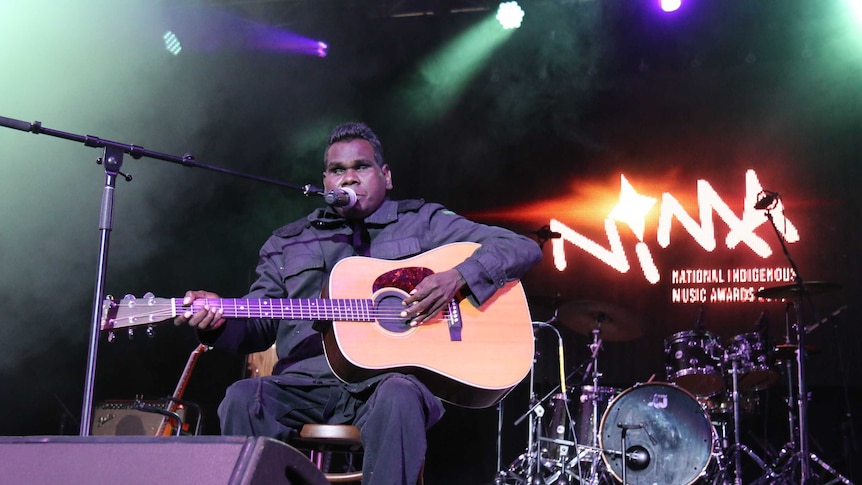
671, 432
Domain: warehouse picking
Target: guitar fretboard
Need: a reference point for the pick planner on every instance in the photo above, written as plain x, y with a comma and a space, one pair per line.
357, 310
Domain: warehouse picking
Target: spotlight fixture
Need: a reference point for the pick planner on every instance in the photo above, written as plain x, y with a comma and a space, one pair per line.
670, 5
172, 43
510, 15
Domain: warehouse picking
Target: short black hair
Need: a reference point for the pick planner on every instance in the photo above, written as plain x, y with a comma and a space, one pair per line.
353, 131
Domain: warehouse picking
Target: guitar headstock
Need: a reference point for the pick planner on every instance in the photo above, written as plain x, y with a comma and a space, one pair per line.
133, 312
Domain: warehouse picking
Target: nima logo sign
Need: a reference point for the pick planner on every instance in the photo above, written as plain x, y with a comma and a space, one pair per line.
631, 211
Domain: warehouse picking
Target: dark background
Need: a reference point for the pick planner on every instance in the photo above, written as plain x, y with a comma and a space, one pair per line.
584, 92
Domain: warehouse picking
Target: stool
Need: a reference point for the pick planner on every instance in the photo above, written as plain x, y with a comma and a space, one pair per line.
321, 440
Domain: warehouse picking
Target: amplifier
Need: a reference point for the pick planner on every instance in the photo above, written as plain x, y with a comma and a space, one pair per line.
121, 418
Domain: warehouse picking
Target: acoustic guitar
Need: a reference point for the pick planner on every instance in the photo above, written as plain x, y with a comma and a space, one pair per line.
470, 355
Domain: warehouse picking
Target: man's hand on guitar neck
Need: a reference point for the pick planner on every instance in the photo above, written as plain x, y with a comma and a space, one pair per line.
207, 318
431, 296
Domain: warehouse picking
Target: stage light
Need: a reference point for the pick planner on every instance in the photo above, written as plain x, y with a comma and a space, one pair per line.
445, 74
172, 43
856, 7
510, 15
670, 5
210, 30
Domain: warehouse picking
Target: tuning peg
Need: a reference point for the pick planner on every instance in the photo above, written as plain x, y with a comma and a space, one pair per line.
131, 333
151, 332
111, 336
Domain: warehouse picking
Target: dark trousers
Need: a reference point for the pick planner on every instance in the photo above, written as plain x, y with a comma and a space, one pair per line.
393, 419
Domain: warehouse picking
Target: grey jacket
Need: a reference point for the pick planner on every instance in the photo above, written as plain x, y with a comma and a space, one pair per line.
296, 260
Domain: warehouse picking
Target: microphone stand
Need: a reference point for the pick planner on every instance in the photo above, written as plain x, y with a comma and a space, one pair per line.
802, 395
803, 452
112, 160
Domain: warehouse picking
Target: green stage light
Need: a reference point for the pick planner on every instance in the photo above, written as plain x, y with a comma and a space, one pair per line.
510, 15
443, 76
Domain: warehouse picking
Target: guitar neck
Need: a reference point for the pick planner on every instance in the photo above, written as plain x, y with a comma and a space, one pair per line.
359, 310
132, 312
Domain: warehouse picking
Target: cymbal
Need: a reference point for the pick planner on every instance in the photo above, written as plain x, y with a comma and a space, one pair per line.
546, 302
787, 351
792, 291
614, 323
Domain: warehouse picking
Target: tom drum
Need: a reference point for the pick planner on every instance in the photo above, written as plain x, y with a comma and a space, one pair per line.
693, 360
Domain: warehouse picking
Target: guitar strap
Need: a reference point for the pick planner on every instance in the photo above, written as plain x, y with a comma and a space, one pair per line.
361, 238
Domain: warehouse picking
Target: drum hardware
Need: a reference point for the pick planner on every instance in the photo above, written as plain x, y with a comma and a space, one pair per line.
738, 447
629, 460
796, 292
593, 418
784, 466
548, 458
535, 466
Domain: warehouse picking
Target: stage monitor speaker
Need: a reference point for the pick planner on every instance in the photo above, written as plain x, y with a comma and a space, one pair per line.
132, 460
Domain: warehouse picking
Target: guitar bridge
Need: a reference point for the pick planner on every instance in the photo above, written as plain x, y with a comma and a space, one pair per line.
453, 316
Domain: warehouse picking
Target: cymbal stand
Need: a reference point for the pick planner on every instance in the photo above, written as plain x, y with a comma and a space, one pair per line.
803, 455
792, 430
590, 449
783, 467
738, 447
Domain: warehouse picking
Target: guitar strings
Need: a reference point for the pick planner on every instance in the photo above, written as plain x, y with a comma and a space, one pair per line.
365, 311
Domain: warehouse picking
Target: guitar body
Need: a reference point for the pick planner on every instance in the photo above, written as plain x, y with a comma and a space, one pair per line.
470, 355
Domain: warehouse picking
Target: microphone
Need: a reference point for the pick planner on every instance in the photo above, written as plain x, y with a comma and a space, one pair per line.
546, 233
344, 197
638, 457
767, 200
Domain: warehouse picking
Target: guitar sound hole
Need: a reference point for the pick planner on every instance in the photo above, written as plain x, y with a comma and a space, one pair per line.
388, 306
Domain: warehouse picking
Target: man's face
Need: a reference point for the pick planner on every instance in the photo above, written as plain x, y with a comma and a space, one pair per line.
351, 164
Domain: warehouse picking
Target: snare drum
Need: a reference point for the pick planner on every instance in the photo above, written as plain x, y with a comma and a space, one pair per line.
720, 406
754, 364
693, 360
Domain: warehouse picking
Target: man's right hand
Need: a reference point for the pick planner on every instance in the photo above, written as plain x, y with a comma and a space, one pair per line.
208, 318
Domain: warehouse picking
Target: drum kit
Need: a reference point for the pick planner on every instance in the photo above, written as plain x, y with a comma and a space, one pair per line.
684, 430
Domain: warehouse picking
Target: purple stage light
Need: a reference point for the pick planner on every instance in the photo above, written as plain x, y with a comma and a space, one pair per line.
670, 5
210, 30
